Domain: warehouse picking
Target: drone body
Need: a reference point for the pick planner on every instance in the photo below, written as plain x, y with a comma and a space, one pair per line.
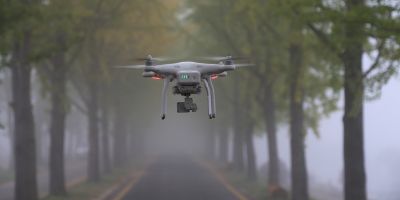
188, 76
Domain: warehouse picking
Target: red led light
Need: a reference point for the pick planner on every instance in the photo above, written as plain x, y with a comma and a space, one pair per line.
155, 78
213, 77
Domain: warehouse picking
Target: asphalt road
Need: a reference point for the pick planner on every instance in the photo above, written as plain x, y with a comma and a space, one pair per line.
178, 178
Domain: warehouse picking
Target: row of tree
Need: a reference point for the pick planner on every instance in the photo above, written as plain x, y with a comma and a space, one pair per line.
306, 52
72, 46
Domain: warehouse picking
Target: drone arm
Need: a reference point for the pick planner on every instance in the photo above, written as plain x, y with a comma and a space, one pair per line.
164, 97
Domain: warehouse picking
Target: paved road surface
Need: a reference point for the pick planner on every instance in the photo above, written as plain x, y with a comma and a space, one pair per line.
178, 178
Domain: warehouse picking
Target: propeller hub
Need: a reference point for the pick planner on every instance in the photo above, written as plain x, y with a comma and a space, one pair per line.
148, 62
228, 62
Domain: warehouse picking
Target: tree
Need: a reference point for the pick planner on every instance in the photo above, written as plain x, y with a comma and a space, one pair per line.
114, 30
105, 122
120, 133
223, 144
103, 14
249, 123
355, 178
57, 126
62, 20
238, 140
355, 23
298, 160
21, 48
25, 150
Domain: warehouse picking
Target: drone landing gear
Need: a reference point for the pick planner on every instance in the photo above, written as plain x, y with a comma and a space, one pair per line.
187, 106
164, 98
211, 97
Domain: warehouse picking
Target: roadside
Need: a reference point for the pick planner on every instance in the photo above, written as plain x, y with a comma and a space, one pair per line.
253, 190
75, 173
108, 188
86, 190
237, 183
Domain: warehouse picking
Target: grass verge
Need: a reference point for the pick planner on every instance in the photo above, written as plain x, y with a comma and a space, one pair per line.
255, 190
88, 190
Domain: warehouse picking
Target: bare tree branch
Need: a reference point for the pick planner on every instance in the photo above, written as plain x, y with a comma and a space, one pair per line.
78, 106
324, 39
376, 63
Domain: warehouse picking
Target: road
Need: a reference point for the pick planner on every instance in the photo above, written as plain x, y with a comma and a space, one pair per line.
178, 178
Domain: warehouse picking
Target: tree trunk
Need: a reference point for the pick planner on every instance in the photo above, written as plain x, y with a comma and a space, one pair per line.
298, 160
25, 150
354, 169
238, 160
210, 142
93, 157
251, 156
223, 145
270, 123
10, 118
105, 140
120, 147
57, 126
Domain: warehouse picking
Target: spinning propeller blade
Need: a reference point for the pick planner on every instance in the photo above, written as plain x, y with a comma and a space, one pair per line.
223, 58
131, 67
244, 65
158, 59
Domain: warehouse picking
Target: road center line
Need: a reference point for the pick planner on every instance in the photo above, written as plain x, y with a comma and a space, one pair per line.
129, 185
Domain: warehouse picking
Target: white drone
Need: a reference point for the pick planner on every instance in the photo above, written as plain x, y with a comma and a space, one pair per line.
188, 76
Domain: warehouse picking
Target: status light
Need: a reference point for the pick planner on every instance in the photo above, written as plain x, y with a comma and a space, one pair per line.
184, 76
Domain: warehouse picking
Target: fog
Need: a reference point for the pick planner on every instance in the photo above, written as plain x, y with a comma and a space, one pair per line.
185, 134
81, 86
324, 153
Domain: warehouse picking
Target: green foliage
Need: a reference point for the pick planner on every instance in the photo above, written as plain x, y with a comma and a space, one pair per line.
20, 19
3, 18
115, 33
98, 34
380, 30
263, 30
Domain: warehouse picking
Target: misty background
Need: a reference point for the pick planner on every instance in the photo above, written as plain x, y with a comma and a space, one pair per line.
181, 133
67, 114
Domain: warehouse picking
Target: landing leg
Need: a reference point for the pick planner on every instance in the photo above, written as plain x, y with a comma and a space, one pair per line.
212, 97
207, 86
164, 98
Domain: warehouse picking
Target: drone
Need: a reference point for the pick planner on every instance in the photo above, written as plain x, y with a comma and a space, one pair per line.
189, 76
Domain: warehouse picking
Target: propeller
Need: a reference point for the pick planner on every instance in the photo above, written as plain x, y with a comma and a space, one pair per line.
158, 59
131, 67
223, 58
244, 65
